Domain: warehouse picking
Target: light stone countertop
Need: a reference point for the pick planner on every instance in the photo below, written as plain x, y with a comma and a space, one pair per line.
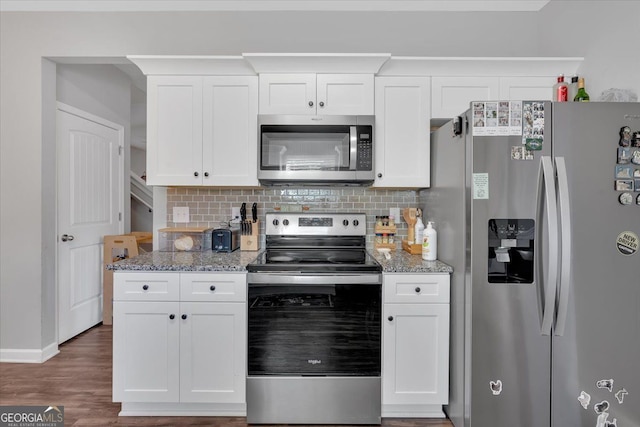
403, 262
400, 262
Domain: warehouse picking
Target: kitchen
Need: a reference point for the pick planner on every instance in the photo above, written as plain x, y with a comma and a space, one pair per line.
27, 293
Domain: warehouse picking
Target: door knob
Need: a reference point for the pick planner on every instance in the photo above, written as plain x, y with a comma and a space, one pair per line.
66, 237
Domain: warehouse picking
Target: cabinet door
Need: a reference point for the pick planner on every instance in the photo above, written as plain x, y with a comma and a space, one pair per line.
527, 88
452, 95
415, 354
230, 131
146, 352
174, 130
288, 94
350, 94
213, 352
401, 137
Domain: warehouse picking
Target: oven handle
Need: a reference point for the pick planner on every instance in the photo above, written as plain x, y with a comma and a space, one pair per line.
313, 279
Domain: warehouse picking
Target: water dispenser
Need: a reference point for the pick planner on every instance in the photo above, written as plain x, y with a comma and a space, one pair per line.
511, 250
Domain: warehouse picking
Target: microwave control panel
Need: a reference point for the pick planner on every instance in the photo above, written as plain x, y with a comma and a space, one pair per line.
364, 160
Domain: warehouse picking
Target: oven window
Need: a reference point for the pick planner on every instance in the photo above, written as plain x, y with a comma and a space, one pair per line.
314, 330
302, 148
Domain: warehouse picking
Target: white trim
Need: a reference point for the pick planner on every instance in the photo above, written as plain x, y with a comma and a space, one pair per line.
168, 409
273, 5
28, 355
412, 411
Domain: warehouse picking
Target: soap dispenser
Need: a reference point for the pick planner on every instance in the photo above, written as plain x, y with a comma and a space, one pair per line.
430, 243
419, 230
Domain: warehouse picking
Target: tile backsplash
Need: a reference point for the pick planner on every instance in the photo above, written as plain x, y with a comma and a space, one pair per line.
211, 207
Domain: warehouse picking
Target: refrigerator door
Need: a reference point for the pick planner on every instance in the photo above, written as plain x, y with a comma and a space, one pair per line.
510, 358
599, 352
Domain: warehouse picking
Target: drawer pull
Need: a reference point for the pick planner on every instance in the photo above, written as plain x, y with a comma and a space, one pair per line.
417, 290
213, 288
184, 316
145, 287
390, 318
172, 316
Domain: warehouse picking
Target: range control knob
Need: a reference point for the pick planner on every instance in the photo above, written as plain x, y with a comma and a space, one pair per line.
285, 222
276, 222
356, 222
345, 222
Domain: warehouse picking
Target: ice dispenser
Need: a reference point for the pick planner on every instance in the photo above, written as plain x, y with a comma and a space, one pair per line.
511, 250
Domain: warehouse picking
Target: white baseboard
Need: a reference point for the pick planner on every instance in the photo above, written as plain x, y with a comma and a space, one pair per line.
9, 355
162, 409
412, 411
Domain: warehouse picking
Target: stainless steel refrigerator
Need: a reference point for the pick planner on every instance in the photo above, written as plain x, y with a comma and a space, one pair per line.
537, 208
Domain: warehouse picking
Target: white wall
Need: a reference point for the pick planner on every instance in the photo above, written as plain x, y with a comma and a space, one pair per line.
25, 38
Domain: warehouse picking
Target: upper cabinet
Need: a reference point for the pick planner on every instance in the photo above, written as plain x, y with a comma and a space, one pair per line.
316, 94
402, 144
202, 130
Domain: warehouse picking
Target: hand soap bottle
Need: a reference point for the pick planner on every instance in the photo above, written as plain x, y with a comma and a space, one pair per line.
430, 243
419, 230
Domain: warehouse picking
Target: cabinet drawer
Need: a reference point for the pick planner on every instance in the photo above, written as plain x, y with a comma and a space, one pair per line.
230, 287
146, 286
416, 288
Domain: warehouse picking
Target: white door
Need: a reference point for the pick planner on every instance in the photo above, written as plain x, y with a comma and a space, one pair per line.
89, 170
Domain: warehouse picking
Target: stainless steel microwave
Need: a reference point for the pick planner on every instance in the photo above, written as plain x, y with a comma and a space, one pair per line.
315, 150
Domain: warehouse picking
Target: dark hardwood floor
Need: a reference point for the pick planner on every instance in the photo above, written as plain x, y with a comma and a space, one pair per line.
79, 378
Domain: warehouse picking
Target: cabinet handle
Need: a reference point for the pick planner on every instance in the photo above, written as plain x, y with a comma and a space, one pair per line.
310, 103
172, 316
379, 175
417, 290
213, 288
206, 174
145, 287
390, 318
321, 104
196, 174
184, 316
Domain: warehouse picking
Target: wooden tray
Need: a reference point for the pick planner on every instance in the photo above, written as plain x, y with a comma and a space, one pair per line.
414, 249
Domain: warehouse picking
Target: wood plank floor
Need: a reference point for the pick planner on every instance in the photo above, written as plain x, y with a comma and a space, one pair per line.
79, 378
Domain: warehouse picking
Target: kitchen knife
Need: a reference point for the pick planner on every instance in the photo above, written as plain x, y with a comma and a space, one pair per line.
243, 218
254, 212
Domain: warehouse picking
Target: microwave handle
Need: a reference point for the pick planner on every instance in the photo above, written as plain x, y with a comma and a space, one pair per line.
353, 147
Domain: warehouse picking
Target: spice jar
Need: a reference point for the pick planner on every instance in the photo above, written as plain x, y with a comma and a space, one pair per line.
391, 238
379, 221
378, 238
385, 238
392, 220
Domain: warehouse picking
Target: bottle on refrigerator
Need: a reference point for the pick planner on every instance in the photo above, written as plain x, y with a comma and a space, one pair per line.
573, 87
430, 243
581, 95
561, 90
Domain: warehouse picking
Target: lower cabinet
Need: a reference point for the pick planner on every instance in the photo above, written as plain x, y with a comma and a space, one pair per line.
180, 338
415, 358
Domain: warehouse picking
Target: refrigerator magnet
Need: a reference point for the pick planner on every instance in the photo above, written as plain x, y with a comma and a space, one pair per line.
624, 155
496, 387
627, 243
625, 198
624, 172
608, 384
601, 407
624, 185
635, 139
636, 184
584, 399
620, 394
635, 157
625, 136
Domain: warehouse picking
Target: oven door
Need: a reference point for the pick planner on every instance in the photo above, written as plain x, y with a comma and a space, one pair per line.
314, 325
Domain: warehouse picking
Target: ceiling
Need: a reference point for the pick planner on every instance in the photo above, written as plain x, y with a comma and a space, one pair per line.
272, 5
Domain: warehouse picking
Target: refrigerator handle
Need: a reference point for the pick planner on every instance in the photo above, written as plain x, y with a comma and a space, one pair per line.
547, 289
565, 253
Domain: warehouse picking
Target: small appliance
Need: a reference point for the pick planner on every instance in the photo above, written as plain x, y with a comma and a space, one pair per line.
226, 239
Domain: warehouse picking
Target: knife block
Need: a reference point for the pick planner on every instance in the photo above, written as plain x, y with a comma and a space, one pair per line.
251, 242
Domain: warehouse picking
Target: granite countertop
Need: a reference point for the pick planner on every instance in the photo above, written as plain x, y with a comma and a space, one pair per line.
187, 261
400, 262
403, 262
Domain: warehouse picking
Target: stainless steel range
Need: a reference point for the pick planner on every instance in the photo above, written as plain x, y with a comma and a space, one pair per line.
314, 338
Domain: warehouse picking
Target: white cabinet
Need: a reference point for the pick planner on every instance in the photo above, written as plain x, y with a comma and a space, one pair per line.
202, 130
401, 137
321, 94
180, 338
451, 96
415, 370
